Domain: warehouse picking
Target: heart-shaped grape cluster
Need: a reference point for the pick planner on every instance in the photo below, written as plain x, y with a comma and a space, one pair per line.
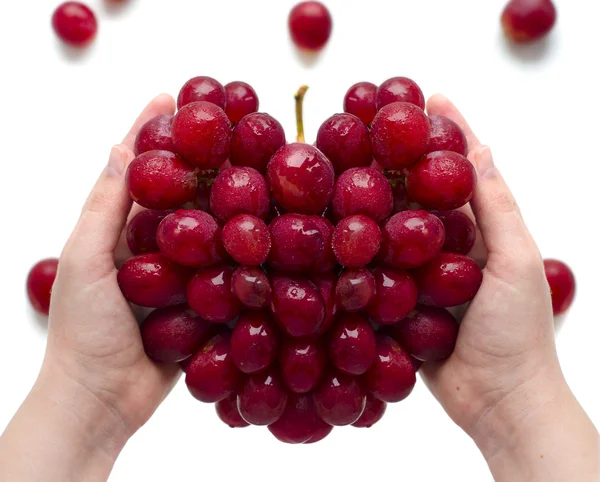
299, 286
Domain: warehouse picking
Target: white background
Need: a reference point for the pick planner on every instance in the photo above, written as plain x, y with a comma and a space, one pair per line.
537, 107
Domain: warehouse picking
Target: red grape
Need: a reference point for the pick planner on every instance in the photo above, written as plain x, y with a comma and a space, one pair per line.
153, 280
327, 261
346, 142
528, 20
239, 190
310, 25
202, 134
446, 135
392, 376
155, 135
190, 237
161, 180
39, 284
296, 243
428, 333
254, 141
395, 298
374, 411
352, 344
299, 422
399, 135
253, 342
460, 231
262, 398
355, 289
141, 231
340, 399
241, 100
399, 89
326, 282
173, 334
449, 280
209, 294
302, 363
204, 89
362, 190
211, 375
411, 239
75, 23
297, 305
562, 285
228, 412
360, 101
356, 240
301, 178
251, 286
441, 180
246, 238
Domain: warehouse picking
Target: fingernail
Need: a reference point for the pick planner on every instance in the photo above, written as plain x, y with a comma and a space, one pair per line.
484, 161
116, 163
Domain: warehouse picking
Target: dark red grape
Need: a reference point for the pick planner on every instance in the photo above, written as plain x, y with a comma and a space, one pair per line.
562, 285
327, 261
374, 411
153, 280
356, 289
209, 294
39, 284
141, 231
392, 376
340, 399
427, 334
326, 282
297, 305
173, 334
253, 342
211, 375
299, 422
352, 344
395, 298
449, 280
302, 363
251, 286
460, 231
262, 398
528, 20
228, 412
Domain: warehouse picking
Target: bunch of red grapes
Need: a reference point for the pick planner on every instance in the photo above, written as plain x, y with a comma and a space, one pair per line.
300, 287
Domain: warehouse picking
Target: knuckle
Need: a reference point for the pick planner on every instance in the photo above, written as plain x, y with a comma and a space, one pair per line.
504, 202
98, 202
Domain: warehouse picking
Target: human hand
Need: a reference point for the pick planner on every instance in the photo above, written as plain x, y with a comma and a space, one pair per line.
503, 383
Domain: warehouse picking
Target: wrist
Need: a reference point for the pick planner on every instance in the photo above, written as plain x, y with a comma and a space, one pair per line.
84, 420
539, 432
